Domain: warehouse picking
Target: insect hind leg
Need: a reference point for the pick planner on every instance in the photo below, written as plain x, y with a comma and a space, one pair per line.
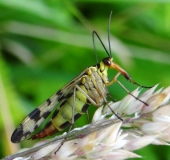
113, 111
72, 120
94, 103
73, 110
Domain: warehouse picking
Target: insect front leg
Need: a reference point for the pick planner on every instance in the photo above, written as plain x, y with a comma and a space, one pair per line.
113, 80
116, 80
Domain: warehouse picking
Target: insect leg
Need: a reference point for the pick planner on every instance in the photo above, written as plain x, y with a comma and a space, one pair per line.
113, 111
72, 120
124, 73
110, 96
116, 80
130, 93
91, 100
94, 103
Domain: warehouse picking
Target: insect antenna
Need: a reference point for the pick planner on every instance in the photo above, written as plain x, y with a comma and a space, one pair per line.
93, 34
110, 50
126, 76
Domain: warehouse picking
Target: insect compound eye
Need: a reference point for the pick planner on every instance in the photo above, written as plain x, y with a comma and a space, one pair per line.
107, 61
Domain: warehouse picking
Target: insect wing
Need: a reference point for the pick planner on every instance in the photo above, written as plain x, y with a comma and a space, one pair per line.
38, 115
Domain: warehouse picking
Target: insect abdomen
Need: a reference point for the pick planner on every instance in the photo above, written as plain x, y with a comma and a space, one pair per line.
62, 117
92, 86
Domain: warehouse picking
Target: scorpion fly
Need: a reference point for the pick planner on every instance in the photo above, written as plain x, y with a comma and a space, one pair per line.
74, 99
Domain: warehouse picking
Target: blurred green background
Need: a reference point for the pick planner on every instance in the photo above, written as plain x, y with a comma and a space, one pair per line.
46, 43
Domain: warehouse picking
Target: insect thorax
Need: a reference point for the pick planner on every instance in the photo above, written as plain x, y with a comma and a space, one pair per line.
94, 83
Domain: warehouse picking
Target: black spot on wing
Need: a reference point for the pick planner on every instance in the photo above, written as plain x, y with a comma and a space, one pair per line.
85, 108
63, 103
60, 98
27, 134
35, 115
36, 127
48, 102
19, 135
68, 95
45, 114
59, 93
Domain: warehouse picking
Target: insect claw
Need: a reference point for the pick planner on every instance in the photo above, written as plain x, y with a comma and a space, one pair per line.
139, 84
126, 75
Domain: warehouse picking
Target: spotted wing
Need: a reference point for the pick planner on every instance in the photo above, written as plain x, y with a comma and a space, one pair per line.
38, 115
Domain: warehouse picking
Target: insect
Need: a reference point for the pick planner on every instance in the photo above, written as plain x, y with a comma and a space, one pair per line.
73, 100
